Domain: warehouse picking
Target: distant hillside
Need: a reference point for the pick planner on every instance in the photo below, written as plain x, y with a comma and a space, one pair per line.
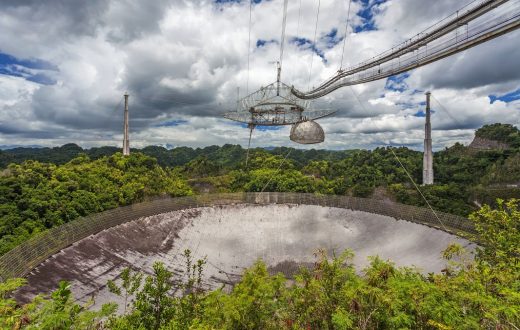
487, 144
496, 136
465, 177
227, 155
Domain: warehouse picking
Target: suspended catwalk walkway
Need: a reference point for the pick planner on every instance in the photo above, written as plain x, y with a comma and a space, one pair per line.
478, 22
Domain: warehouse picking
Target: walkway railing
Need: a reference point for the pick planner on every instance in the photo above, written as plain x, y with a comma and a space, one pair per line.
24, 258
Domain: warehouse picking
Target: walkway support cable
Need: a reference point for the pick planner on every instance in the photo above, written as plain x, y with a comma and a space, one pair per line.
405, 170
299, 17
282, 42
249, 45
345, 35
419, 190
251, 128
314, 42
284, 23
447, 112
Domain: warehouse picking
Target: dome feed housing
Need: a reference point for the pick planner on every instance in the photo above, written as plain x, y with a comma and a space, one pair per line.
307, 132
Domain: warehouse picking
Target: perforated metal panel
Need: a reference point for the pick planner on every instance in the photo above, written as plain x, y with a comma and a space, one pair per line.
231, 237
307, 132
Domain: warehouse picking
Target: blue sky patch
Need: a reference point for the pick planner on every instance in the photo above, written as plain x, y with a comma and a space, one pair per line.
332, 38
236, 1
406, 105
268, 128
397, 83
370, 9
30, 69
227, 1
30, 64
262, 128
509, 97
172, 123
262, 43
41, 78
421, 113
305, 43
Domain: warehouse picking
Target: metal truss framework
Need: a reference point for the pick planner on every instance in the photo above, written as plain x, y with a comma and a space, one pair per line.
274, 105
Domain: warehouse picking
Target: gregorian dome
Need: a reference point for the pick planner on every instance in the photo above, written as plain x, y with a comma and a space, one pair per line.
307, 132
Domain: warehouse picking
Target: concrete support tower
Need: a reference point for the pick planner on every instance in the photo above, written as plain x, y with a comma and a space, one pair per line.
428, 153
126, 139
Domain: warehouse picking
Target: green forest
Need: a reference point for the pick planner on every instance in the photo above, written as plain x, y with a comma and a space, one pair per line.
45, 188
41, 188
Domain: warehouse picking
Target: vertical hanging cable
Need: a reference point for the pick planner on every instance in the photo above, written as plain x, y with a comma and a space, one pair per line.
238, 97
314, 44
251, 128
299, 17
284, 23
249, 45
346, 34
282, 42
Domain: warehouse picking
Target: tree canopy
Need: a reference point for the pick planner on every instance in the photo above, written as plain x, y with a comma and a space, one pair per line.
36, 196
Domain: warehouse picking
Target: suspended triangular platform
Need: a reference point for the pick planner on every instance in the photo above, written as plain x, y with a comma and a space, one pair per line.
274, 105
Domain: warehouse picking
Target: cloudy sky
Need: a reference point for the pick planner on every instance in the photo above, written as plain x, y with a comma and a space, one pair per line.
64, 66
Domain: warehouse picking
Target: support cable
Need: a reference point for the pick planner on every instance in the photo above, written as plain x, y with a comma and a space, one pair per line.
419, 190
408, 174
299, 17
314, 43
251, 128
447, 112
117, 106
345, 36
282, 42
249, 45
284, 23
238, 97
277, 170
358, 99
